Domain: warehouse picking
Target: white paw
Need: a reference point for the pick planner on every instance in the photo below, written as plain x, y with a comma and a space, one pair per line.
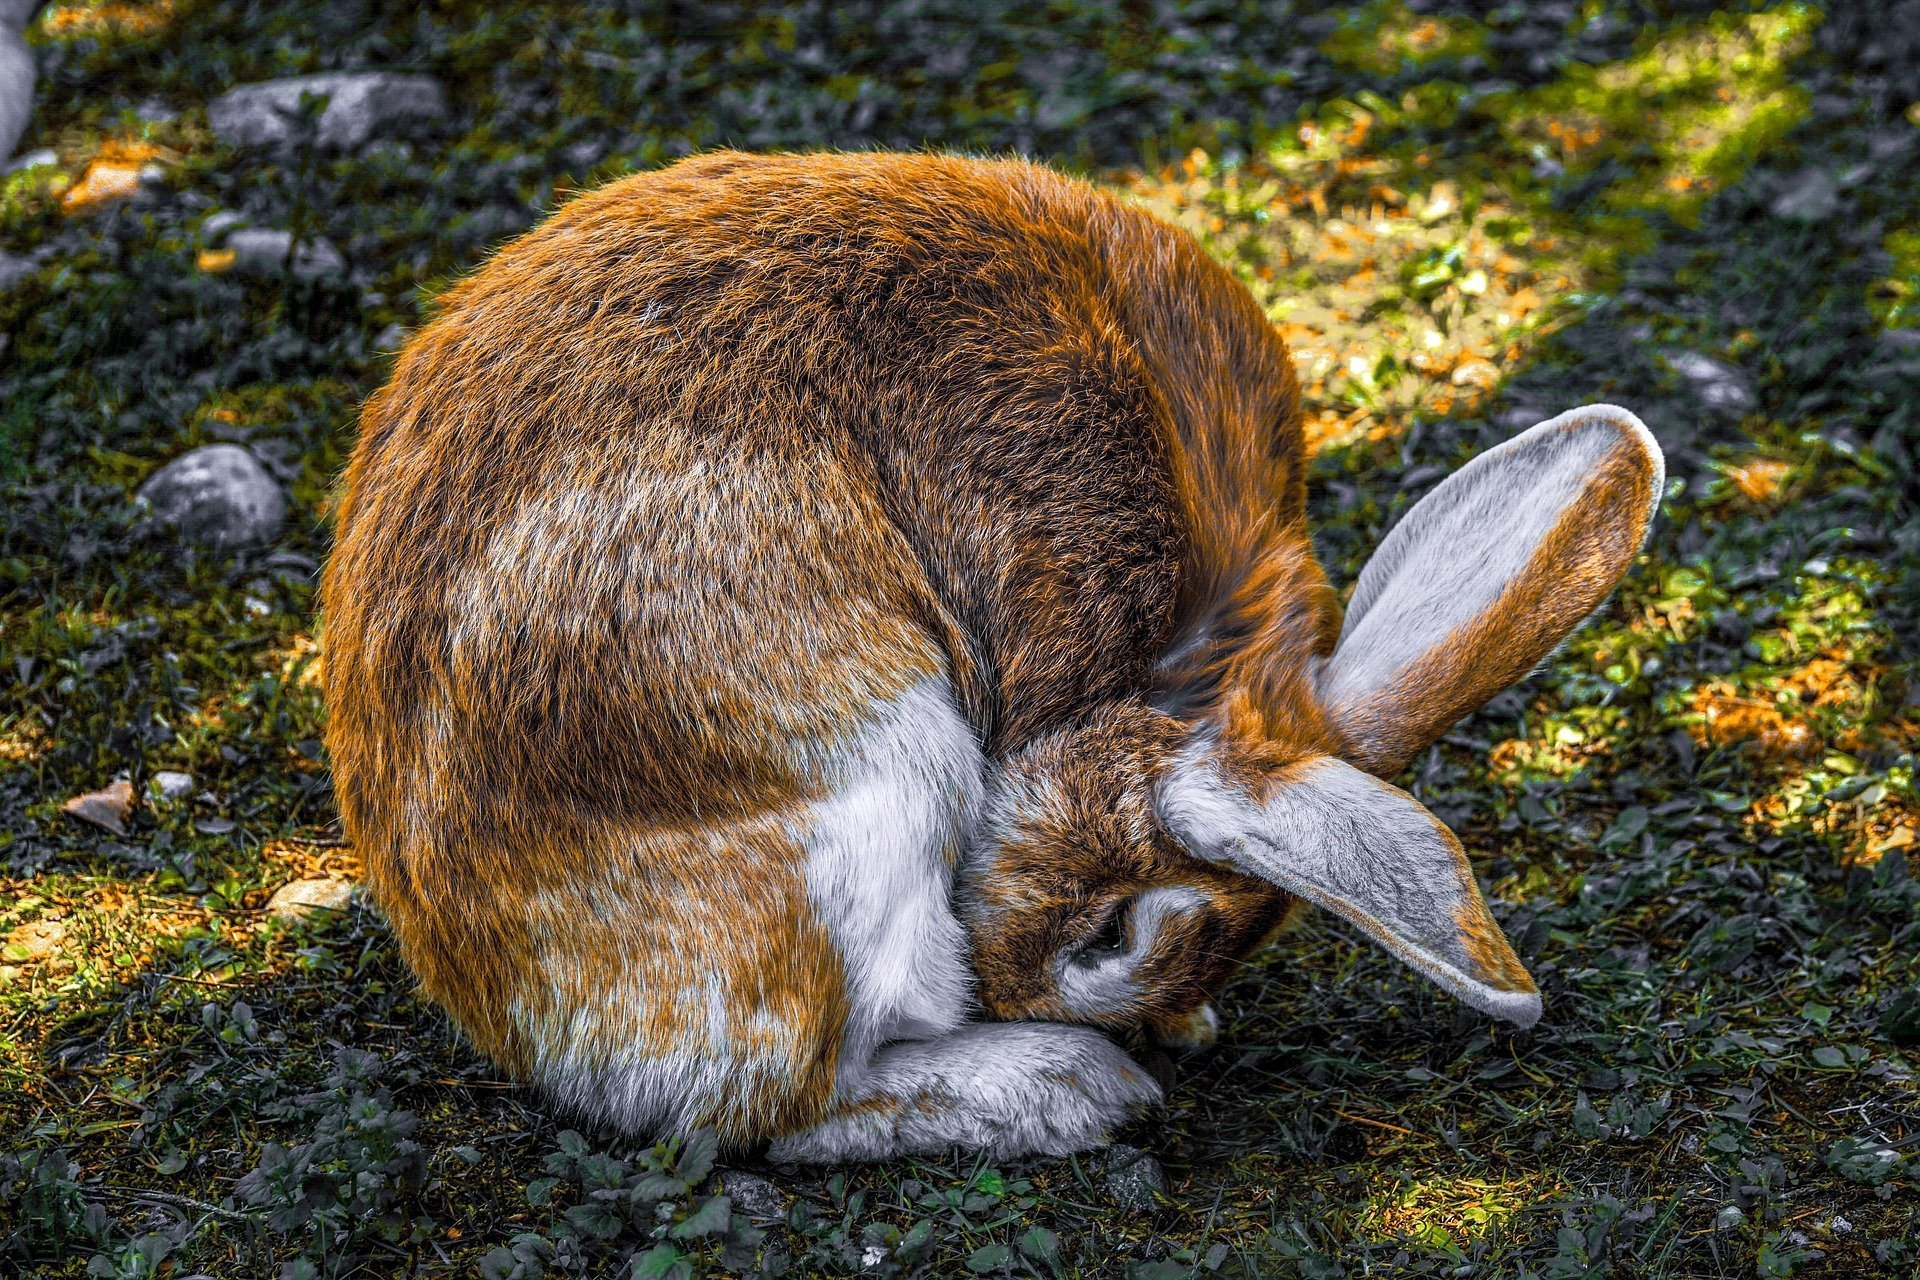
1017, 1088
1065, 1090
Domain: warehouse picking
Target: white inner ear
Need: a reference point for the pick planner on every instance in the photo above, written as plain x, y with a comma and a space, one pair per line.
1366, 851
1456, 551
1109, 987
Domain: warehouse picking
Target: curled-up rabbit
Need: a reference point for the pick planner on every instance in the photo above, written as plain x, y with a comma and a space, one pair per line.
777, 592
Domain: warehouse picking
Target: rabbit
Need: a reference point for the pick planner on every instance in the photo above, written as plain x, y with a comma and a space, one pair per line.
815, 642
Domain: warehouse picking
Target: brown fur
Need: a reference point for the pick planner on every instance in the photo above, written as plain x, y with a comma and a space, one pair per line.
945, 415
691, 477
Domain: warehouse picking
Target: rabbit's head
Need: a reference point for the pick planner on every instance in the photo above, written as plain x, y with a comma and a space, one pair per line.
1124, 866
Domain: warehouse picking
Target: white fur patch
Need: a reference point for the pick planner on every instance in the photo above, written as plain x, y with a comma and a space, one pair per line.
880, 851
880, 856
1007, 1088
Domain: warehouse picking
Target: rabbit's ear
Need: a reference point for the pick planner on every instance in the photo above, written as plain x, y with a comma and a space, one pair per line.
1486, 575
1363, 849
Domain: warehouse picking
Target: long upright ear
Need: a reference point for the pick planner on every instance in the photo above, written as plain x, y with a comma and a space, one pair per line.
1486, 575
1363, 849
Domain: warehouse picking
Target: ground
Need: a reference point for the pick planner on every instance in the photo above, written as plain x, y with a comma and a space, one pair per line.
1696, 820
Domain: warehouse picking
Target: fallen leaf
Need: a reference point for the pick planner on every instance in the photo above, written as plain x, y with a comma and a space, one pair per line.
108, 809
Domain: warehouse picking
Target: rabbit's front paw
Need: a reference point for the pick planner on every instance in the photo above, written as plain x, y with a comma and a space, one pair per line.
1011, 1088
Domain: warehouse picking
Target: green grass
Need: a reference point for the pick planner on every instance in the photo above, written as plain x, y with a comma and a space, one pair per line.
1698, 817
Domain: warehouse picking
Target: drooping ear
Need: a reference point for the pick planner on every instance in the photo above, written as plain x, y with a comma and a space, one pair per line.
1486, 575
1364, 850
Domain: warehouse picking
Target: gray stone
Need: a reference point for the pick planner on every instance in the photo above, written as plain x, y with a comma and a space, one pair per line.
391, 338
303, 898
763, 1203
1135, 1179
1811, 195
170, 784
1520, 417
360, 104
218, 495
262, 251
33, 159
1900, 339
1717, 385
218, 224
14, 268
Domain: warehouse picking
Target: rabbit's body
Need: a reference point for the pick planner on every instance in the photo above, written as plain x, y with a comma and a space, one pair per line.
700, 557
757, 538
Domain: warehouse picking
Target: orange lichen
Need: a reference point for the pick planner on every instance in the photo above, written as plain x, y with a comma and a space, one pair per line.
25, 741
113, 174
1727, 718
1760, 480
99, 19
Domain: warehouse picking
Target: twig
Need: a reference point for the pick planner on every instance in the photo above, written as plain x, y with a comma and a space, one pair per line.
1378, 1124
177, 1202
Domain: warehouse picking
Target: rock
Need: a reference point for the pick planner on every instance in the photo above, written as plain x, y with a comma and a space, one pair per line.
391, 338
1885, 144
218, 223
359, 104
1135, 1179
262, 251
156, 111
218, 495
168, 784
14, 268
302, 898
763, 1203
1900, 339
107, 809
33, 159
1811, 195
1717, 385
1519, 418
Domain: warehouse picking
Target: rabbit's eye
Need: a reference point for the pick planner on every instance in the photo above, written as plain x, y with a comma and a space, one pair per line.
1108, 942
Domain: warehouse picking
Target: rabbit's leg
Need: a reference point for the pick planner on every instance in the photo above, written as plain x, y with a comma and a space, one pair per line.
1012, 1088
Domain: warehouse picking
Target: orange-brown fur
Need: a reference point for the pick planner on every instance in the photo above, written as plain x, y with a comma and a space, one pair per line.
691, 475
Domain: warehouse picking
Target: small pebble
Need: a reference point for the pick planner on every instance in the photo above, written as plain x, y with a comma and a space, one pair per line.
218, 223
218, 495
1135, 1179
1717, 385
262, 251
169, 784
359, 105
1811, 195
1520, 417
15, 267
755, 1196
33, 159
302, 898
